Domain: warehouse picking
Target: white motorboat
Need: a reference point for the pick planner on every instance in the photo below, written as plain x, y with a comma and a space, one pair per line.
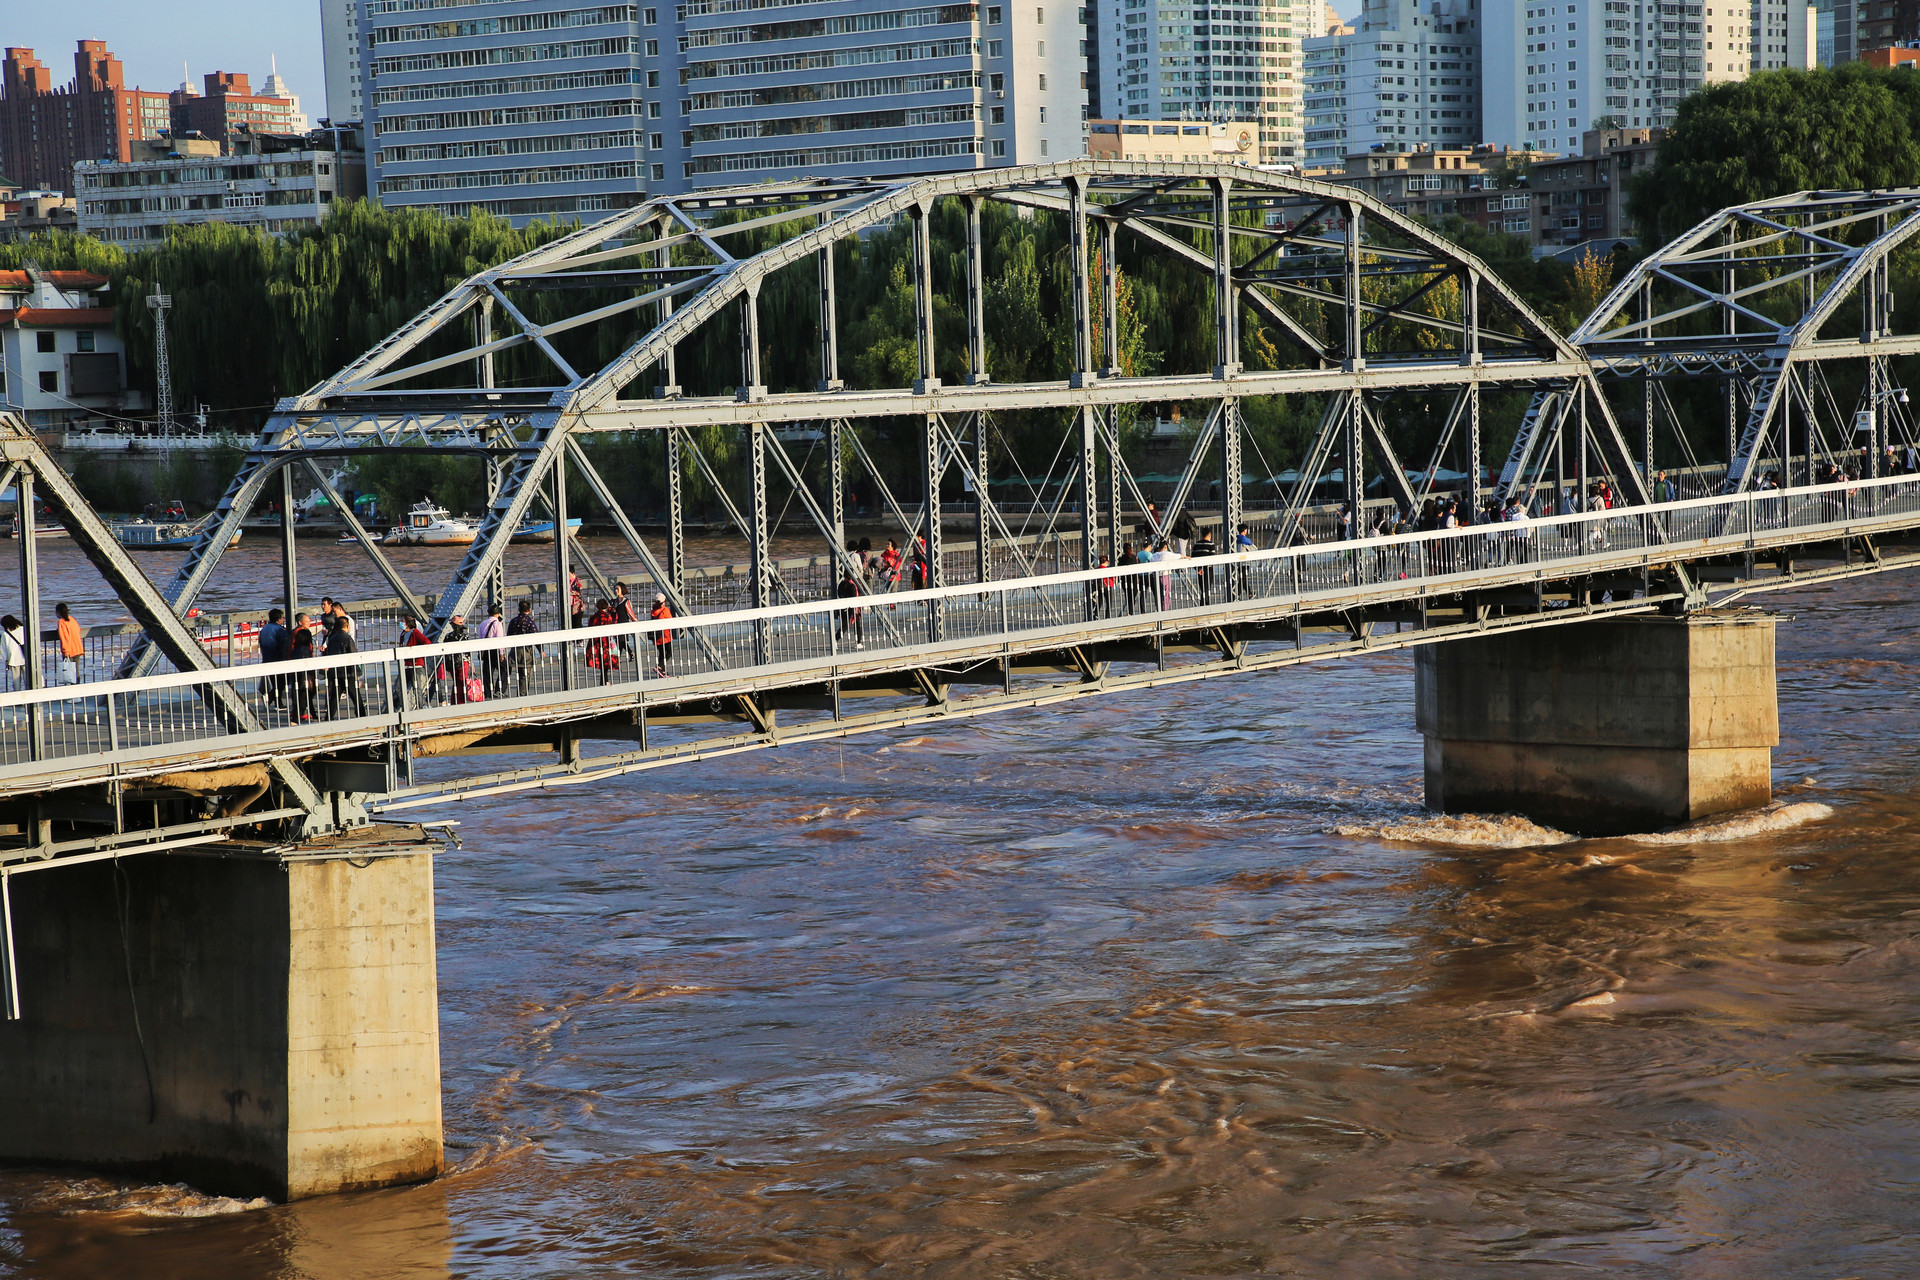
430, 525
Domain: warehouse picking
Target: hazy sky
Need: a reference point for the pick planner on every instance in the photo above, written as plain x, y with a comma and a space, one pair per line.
152, 37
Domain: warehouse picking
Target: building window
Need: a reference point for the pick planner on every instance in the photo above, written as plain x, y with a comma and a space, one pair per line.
43, 341
653, 111
993, 15
1040, 16
997, 115
1000, 146
653, 48
659, 173
995, 49
1043, 146
83, 340
650, 16
653, 79
50, 381
1043, 115
1043, 82
997, 82
658, 141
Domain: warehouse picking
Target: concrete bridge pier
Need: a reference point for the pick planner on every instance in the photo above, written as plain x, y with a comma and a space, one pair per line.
253, 1025
1605, 727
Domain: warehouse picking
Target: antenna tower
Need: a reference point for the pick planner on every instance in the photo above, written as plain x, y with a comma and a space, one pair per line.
161, 303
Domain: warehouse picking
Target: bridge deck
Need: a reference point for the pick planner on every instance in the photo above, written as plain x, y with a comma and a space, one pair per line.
138, 728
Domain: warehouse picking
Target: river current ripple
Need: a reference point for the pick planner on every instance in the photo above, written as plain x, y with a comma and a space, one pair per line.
1171, 984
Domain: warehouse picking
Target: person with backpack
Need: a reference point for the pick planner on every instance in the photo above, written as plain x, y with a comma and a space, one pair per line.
624, 613
339, 642
523, 624
493, 663
15, 643
412, 637
458, 668
273, 639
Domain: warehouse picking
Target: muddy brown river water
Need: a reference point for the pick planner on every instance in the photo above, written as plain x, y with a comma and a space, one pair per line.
1175, 984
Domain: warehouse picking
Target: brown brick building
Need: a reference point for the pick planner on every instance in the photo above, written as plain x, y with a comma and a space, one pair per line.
229, 103
44, 130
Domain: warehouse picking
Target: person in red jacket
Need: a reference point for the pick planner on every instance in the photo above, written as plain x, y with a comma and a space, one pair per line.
663, 640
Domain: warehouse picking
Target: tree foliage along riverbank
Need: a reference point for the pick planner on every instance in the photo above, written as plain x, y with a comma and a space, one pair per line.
256, 318
1846, 128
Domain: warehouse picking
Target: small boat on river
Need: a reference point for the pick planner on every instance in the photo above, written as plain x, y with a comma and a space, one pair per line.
172, 535
542, 530
431, 525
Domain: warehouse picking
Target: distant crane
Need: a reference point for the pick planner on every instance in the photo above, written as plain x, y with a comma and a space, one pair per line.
161, 303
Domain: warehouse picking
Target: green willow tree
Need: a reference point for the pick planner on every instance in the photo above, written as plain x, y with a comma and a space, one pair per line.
1846, 128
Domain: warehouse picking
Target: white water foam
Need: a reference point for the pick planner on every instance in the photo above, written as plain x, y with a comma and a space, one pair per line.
1739, 826
1510, 831
1473, 830
164, 1200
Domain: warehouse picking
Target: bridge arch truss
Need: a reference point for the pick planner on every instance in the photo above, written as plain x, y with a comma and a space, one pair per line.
1786, 304
1362, 304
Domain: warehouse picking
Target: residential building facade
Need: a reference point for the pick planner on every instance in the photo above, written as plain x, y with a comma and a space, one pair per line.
1578, 198
60, 361
1173, 60
527, 108
340, 60
1880, 24
277, 183
1555, 70
44, 130
1406, 76
29, 213
1784, 34
1474, 183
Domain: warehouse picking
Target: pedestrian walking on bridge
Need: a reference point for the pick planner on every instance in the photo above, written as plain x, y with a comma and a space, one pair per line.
663, 639
72, 645
523, 624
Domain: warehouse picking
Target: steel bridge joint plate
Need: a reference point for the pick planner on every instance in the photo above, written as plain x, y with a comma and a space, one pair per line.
925, 386
750, 395
1228, 372
667, 393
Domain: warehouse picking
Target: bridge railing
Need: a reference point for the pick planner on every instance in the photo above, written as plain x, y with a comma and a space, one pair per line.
140, 724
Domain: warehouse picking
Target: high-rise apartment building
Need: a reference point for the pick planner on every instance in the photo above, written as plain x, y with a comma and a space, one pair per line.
1784, 34
529, 108
1188, 59
44, 130
1554, 71
834, 87
524, 108
340, 54
1406, 77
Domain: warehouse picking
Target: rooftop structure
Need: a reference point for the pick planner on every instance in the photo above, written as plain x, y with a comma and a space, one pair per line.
1173, 140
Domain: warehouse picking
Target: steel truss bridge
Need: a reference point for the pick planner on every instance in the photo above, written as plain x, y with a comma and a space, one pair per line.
1780, 314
